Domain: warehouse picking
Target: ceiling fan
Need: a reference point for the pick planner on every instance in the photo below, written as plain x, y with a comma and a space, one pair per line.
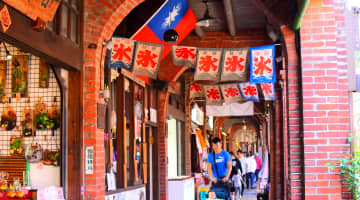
207, 20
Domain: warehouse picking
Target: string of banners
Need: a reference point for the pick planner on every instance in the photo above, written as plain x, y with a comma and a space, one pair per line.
214, 64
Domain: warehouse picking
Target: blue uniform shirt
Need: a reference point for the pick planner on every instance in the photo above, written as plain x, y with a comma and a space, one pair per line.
221, 159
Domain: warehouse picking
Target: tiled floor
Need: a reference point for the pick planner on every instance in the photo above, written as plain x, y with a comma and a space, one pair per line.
249, 194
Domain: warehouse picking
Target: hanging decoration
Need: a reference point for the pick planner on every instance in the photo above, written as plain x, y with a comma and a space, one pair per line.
5, 18
184, 56
19, 75
3, 68
122, 53
249, 91
268, 91
231, 93
207, 64
147, 59
196, 90
41, 121
54, 116
233, 66
212, 94
27, 120
16, 145
262, 64
43, 74
8, 118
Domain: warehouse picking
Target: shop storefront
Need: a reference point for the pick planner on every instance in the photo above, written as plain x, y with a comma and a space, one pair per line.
39, 112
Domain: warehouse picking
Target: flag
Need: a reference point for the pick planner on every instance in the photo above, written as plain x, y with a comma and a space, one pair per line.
196, 90
234, 65
208, 64
249, 91
262, 64
181, 19
231, 93
147, 59
268, 91
212, 94
184, 56
122, 53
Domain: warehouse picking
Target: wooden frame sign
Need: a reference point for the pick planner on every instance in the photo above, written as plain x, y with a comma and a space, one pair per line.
44, 9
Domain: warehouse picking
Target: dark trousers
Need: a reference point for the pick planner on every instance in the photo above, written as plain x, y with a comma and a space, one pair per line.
243, 184
257, 174
250, 179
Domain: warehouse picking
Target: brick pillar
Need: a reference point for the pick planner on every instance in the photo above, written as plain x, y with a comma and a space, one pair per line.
293, 116
325, 93
162, 143
189, 76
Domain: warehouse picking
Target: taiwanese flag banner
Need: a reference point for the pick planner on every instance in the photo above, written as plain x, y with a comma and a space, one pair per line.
122, 53
208, 64
249, 91
212, 94
184, 56
234, 65
147, 59
262, 64
182, 20
231, 93
196, 90
268, 91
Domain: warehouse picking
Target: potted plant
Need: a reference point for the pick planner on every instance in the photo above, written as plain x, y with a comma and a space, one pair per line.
350, 170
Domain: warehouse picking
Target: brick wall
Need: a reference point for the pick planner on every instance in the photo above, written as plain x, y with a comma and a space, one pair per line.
326, 102
100, 20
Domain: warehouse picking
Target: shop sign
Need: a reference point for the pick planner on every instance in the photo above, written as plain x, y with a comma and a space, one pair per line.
197, 115
89, 162
44, 9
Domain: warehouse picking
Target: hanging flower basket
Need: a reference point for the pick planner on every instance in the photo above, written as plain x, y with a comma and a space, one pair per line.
8, 118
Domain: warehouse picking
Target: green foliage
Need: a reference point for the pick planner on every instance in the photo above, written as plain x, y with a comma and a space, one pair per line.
350, 169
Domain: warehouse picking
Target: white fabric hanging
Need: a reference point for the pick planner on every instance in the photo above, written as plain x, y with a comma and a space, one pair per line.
234, 109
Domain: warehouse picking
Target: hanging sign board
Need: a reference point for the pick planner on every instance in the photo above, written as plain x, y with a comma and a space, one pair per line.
44, 9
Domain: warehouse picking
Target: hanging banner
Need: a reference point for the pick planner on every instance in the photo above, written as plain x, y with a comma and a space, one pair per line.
249, 91
44, 9
268, 91
147, 59
231, 93
233, 109
262, 64
122, 53
212, 94
208, 64
184, 56
5, 18
196, 90
234, 65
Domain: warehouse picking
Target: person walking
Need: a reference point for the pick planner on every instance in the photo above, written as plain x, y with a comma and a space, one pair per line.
242, 159
258, 166
219, 165
251, 168
235, 176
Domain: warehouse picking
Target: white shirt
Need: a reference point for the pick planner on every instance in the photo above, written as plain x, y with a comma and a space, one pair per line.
237, 181
243, 165
251, 164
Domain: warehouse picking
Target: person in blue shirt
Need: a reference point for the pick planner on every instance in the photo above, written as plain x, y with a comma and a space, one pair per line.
223, 162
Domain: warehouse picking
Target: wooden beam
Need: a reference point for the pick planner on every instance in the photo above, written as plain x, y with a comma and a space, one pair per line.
53, 48
229, 17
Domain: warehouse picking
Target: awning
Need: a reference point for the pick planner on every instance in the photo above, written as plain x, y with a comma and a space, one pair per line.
234, 109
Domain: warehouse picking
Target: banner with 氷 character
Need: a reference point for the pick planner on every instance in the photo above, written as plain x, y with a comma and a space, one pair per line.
262, 64
184, 56
234, 65
249, 91
268, 91
212, 94
231, 93
122, 53
147, 59
208, 64
196, 90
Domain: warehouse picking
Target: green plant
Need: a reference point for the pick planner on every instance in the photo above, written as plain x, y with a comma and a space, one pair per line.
44, 77
350, 170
